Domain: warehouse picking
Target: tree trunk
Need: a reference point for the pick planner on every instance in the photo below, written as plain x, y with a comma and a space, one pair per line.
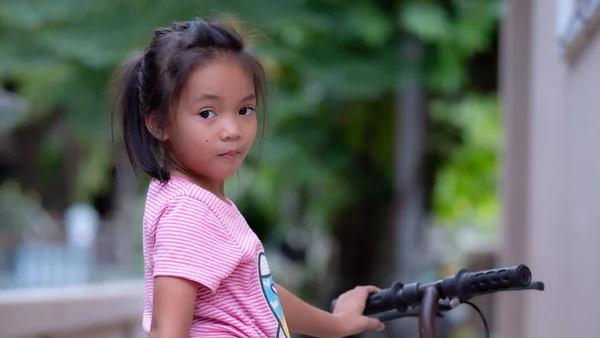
409, 187
359, 228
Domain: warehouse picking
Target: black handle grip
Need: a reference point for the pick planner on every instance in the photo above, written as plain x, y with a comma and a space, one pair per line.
469, 284
377, 302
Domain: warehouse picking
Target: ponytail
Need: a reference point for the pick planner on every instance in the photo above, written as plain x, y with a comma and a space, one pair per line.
143, 149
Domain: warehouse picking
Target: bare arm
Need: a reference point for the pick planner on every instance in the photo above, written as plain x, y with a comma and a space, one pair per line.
173, 308
346, 320
306, 319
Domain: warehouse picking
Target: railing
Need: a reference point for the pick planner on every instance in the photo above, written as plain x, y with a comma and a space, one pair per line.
109, 310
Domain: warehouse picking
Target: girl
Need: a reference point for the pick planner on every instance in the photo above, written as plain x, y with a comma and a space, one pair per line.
187, 110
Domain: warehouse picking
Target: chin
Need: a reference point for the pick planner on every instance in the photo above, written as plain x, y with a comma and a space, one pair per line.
224, 175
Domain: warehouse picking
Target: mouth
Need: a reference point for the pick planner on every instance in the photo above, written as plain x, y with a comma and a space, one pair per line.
230, 154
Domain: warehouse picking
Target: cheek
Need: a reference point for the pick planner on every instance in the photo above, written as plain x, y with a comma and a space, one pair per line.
252, 127
191, 140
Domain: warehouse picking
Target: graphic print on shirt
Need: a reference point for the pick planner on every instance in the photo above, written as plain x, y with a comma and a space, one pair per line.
268, 287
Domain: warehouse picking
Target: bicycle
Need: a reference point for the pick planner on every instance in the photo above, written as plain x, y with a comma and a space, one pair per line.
428, 301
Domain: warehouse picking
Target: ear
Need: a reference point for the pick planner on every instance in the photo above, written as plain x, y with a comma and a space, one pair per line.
153, 126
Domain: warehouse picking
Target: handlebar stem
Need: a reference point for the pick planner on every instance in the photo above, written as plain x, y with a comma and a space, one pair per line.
428, 312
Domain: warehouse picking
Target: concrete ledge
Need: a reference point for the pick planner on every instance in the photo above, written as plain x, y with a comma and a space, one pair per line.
99, 309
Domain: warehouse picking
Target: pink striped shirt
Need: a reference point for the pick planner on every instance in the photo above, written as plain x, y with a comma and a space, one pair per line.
190, 233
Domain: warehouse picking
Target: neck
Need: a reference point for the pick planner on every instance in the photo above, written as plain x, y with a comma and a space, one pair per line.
215, 187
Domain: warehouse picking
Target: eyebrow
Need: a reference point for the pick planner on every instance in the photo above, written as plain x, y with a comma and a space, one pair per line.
212, 97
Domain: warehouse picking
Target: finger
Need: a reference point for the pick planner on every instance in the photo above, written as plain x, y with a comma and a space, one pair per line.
370, 288
373, 324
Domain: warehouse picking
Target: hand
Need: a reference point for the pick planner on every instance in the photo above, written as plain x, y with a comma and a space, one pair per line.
349, 308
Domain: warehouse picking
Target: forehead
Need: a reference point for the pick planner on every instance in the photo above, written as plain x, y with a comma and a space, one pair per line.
224, 77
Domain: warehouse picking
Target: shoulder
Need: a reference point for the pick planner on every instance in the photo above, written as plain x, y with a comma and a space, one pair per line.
181, 195
185, 207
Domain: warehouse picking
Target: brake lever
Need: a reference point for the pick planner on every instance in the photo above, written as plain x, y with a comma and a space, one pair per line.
395, 314
539, 286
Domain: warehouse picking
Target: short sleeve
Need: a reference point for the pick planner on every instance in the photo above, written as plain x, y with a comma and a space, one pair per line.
192, 243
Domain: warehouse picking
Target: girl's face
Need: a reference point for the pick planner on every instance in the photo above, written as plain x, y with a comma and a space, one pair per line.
214, 125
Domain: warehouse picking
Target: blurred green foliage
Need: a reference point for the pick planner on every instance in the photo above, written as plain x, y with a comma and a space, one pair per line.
466, 191
335, 68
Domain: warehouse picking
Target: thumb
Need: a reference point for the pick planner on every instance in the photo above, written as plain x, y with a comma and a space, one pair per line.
372, 324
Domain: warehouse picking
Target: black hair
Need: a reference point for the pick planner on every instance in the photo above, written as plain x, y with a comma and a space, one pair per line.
152, 81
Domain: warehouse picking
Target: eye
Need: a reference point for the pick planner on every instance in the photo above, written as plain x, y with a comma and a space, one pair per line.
246, 111
207, 114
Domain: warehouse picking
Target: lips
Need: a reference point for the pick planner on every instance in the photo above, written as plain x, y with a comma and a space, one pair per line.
230, 153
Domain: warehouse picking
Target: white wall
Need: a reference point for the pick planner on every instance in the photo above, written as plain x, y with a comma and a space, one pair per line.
552, 179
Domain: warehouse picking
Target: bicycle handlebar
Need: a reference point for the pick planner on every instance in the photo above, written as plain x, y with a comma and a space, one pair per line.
427, 301
464, 286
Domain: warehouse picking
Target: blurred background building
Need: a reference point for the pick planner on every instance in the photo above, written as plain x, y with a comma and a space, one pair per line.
407, 139
551, 58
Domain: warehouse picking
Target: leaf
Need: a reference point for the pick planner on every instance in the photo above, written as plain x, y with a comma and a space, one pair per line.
426, 20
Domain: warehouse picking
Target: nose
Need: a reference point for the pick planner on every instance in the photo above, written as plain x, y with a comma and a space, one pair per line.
230, 129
